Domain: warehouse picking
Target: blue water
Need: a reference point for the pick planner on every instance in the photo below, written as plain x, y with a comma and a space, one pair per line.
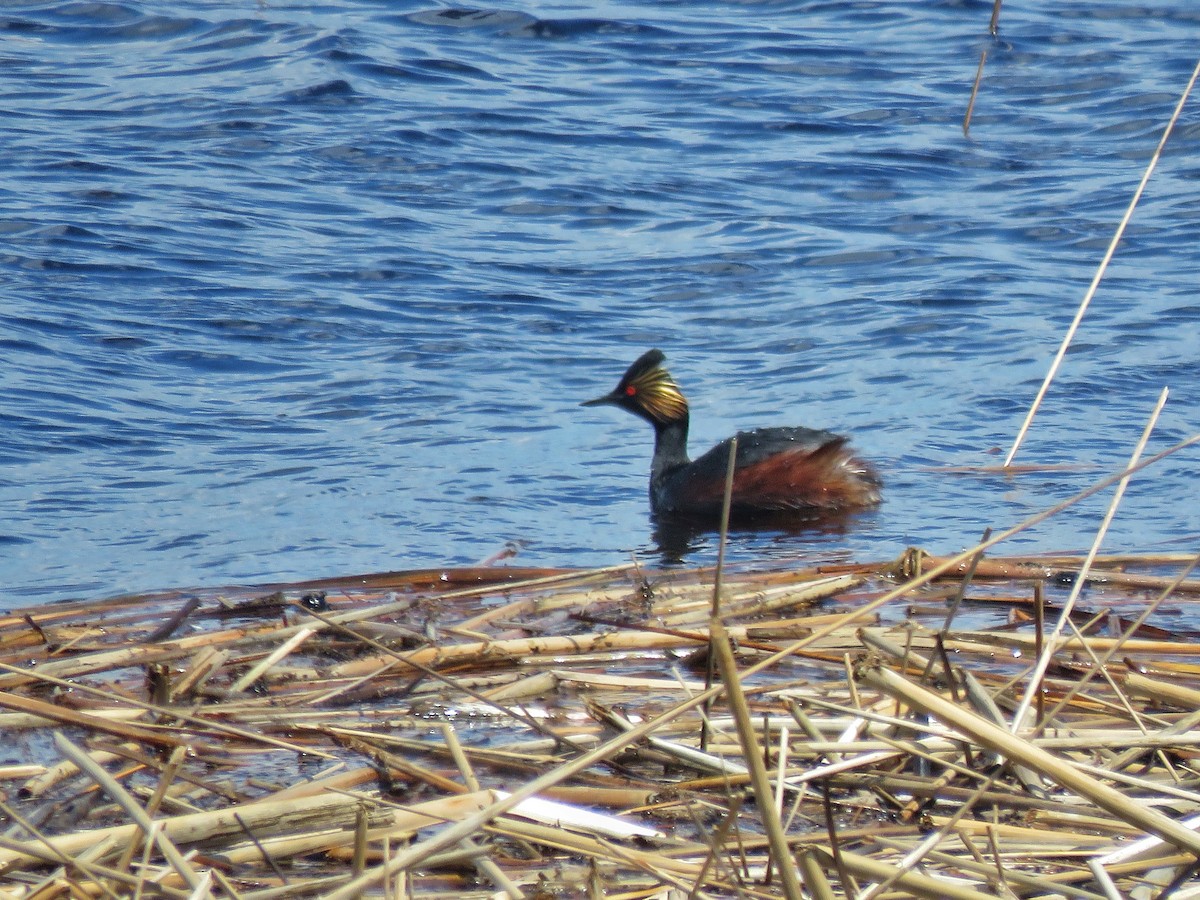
297, 290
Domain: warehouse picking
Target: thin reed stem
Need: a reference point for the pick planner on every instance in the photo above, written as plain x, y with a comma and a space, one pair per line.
966, 126
1102, 268
1050, 644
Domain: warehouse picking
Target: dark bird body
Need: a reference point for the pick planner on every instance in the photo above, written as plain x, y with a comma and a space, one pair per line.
778, 471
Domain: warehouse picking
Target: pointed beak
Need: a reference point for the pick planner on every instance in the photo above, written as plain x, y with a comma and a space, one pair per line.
607, 399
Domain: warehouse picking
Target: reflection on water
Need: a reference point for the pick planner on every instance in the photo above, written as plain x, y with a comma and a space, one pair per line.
677, 537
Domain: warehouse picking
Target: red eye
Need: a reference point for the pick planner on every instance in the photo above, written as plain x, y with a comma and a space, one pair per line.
630, 391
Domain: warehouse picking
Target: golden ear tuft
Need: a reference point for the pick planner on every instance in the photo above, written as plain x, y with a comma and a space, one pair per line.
657, 393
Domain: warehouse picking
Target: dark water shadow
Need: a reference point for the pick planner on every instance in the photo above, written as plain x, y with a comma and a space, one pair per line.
677, 537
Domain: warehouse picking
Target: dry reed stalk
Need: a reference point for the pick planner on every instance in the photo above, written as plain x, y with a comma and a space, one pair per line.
1049, 564
530, 686
449, 682
262, 815
340, 780
966, 126
723, 531
69, 717
399, 764
45, 851
488, 869
451, 835
704, 760
66, 610
1047, 886
242, 637
1014, 749
312, 840
929, 844
534, 757
203, 666
1162, 691
555, 814
138, 655
1048, 650
1101, 664
514, 610
113, 788
152, 805
988, 642
20, 771
751, 751
591, 847
1173, 731
602, 681
914, 884
480, 578
761, 601
283, 650
450, 738
618, 798
65, 877
1106, 570
50, 777
1040, 836
496, 653
65, 716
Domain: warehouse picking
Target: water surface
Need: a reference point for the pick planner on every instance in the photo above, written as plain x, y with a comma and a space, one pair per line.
297, 290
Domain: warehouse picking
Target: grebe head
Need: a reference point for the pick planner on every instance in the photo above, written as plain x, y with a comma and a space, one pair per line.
647, 390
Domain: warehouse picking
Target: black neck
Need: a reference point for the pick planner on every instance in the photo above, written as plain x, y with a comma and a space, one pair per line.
670, 446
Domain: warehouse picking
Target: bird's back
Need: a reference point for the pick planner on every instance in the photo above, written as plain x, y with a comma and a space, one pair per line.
778, 470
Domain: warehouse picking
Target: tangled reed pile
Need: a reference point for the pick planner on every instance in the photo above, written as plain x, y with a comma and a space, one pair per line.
534, 733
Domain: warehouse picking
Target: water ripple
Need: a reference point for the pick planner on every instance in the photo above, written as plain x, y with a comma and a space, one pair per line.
302, 290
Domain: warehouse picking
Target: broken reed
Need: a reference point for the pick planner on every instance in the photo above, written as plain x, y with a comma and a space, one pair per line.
511, 731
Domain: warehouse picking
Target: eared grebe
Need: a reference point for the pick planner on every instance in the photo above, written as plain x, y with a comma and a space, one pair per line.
778, 471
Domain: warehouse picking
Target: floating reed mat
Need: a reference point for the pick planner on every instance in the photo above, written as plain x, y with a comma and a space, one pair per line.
850, 730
